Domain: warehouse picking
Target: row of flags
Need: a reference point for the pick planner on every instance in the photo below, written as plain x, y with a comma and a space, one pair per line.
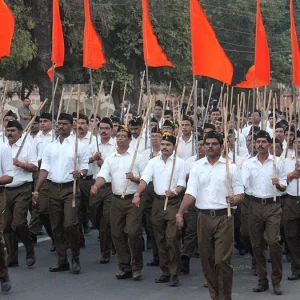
208, 57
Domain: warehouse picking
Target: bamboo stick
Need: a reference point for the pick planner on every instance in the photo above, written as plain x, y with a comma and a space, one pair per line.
55, 88
207, 106
60, 103
123, 101
141, 92
69, 100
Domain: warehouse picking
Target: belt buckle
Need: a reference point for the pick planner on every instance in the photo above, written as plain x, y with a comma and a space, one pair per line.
212, 213
264, 201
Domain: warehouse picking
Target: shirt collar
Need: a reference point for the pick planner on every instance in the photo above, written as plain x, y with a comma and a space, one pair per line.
270, 157
190, 139
110, 142
129, 151
220, 160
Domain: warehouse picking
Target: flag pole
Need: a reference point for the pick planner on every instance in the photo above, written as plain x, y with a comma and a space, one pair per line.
93, 105
52, 110
195, 139
296, 145
148, 125
253, 108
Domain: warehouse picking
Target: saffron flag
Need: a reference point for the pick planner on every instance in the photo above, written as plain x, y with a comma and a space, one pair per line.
58, 45
295, 49
259, 74
208, 57
93, 56
153, 53
7, 27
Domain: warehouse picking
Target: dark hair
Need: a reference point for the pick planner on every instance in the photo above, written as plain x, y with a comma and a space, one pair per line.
214, 135
277, 141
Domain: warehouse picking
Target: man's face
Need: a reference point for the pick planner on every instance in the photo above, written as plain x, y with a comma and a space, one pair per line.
7, 119
35, 127
186, 127
135, 131
230, 141
201, 148
123, 140
105, 130
45, 124
92, 123
214, 116
212, 148
158, 112
298, 144
154, 124
115, 128
249, 121
271, 121
289, 139
206, 130
278, 150
26, 102
166, 148
293, 123
13, 134
167, 129
219, 126
156, 139
262, 145
64, 127
256, 117
249, 143
74, 123
83, 127
279, 132
168, 117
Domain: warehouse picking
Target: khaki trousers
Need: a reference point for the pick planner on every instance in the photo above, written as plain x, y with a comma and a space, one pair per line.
264, 227
291, 223
216, 238
245, 223
64, 220
15, 224
3, 267
167, 234
100, 217
126, 232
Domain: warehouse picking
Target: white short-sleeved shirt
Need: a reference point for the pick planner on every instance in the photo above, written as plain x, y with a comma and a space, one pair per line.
289, 166
185, 149
6, 161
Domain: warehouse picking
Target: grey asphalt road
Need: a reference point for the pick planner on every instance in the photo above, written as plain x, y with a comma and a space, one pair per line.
98, 281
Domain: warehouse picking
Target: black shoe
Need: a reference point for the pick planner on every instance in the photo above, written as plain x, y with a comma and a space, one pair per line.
163, 279
93, 227
76, 268
13, 264
34, 239
136, 275
173, 280
41, 232
30, 259
242, 251
53, 247
153, 263
288, 257
5, 284
104, 260
261, 288
185, 265
60, 268
82, 244
205, 285
86, 229
143, 245
149, 244
277, 289
113, 250
294, 276
124, 275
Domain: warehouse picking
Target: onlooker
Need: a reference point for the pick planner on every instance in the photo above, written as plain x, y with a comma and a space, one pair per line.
25, 112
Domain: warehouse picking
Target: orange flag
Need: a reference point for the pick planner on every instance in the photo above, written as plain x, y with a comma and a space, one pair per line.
93, 56
7, 26
295, 48
208, 57
259, 74
58, 45
153, 53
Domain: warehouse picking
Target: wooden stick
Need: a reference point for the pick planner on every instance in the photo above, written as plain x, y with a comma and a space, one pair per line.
29, 126
274, 155
189, 101
110, 94
202, 105
141, 92
137, 146
207, 106
238, 124
60, 103
69, 100
76, 146
221, 96
127, 112
231, 99
50, 108
289, 130
169, 92
3, 100
123, 100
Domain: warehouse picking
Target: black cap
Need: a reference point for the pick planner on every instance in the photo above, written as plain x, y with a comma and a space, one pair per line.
107, 121
37, 119
74, 115
124, 128
46, 115
155, 129
153, 120
136, 121
187, 118
169, 138
168, 112
14, 123
115, 119
168, 123
159, 103
10, 113
208, 125
263, 134
97, 117
83, 117
67, 117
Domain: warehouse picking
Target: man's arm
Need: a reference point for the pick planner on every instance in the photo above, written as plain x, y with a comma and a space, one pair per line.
28, 167
40, 181
6, 179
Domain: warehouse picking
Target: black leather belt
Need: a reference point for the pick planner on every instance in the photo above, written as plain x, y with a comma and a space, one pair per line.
11, 188
125, 197
216, 212
2, 188
89, 177
106, 185
290, 196
284, 196
264, 200
61, 185
163, 197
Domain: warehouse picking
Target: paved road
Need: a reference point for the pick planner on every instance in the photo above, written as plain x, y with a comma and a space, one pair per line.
98, 281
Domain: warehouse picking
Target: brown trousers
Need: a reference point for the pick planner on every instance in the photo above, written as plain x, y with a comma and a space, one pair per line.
264, 227
35, 225
216, 237
245, 223
100, 217
3, 267
64, 220
84, 207
15, 220
126, 232
167, 234
190, 237
291, 223
148, 198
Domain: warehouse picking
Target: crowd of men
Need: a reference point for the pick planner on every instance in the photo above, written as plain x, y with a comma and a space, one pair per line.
183, 183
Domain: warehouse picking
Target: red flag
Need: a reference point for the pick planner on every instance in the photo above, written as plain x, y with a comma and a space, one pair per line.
208, 57
153, 53
93, 56
295, 48
58, 45
259, 75
7, 26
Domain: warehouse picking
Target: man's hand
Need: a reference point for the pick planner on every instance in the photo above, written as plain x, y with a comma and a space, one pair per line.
35, 197
100, 163
170, 194
275, 181
94, 191
136, 200
230, 199
17, 163
130, 176
97, 156
179, 221
76, 174
296, 173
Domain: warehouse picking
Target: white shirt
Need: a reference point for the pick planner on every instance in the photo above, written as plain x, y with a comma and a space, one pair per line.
42, 142
142, 144
6, 163
105, 150
33, 140
289, 166
86, 142
58, 159
257, 177
185, 149
159, 172
208, 183
116, 166
189, 163
27, 155
146, 155
242, 139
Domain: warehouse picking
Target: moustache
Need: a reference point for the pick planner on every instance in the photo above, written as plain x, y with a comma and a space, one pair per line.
9, 136
164, 150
